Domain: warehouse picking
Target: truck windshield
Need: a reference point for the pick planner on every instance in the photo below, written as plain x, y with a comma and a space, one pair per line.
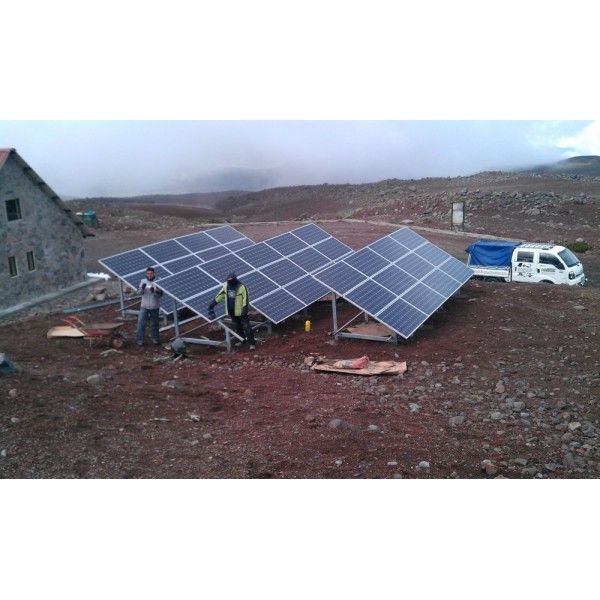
570, 259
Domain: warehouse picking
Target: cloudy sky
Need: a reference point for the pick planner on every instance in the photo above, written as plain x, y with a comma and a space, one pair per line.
100, 157
257, 95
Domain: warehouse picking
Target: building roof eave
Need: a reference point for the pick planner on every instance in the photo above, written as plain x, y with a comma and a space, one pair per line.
6, 152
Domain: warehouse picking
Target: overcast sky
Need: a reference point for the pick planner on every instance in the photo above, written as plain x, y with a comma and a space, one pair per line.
259, 95
90, 158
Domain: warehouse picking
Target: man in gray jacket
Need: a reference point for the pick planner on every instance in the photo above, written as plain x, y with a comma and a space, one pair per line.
150, 307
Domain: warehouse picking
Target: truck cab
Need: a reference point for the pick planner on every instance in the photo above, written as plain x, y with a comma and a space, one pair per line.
546, 263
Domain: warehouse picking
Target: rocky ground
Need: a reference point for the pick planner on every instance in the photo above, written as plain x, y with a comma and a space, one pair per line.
503, 382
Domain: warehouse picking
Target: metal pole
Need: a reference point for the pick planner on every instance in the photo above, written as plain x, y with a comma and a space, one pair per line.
175, 318
89, 306
334, 311
121, 298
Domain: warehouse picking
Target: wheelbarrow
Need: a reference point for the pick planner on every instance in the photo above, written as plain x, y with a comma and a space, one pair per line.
92, 331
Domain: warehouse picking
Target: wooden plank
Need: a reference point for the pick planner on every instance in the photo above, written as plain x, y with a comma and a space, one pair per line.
64, 331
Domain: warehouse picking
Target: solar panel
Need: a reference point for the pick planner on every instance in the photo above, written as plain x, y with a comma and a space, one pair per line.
371, 294
340, 277
402, 317
199, 304
224, 265
279, 305
366, 261
400, 279
457, 270
181, 264
389, 248
424, 298
187, 284
196, 242
414, 265
258, 285
395, 279
432, 254
164, 251
128, 262
213, 253
311, 234
442, 283
333, 249
194, 289
287, 243
283, 271
134, 279
259, 255
307, 289
310, 260
407, 237
239, 244
225, 234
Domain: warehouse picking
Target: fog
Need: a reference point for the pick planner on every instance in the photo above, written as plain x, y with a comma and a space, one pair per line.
122, 158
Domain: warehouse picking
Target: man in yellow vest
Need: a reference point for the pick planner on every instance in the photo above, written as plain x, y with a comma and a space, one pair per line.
236, 298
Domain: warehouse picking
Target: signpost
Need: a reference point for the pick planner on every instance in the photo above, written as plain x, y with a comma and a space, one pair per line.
458, 215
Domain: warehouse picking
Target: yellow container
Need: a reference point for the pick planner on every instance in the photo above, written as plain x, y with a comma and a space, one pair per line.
307, 326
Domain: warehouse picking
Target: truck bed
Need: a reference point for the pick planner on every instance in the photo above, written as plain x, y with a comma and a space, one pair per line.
491, 272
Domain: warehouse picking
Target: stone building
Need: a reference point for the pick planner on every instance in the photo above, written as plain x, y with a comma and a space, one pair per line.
41, 239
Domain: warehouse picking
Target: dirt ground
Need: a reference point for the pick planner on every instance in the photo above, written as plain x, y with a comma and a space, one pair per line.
502, 382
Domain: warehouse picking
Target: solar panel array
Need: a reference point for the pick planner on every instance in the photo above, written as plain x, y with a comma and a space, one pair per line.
277, 272
400, 280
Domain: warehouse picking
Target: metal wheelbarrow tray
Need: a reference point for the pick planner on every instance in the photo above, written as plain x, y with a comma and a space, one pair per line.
92, 331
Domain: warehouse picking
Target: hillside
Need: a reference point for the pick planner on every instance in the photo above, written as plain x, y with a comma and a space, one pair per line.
584, 166
516, 205
426, 201
520, 203
345, 200
201, 200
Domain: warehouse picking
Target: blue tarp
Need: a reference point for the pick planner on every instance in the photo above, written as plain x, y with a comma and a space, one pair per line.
491, 253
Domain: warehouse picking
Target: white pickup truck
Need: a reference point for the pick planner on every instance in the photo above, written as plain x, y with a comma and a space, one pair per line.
520, 261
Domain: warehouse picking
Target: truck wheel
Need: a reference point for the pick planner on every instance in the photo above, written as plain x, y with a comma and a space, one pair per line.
546, 281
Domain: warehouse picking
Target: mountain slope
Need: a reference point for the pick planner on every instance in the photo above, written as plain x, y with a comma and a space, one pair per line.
585, 166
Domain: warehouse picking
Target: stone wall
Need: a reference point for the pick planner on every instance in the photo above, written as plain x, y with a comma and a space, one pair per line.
45, 229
